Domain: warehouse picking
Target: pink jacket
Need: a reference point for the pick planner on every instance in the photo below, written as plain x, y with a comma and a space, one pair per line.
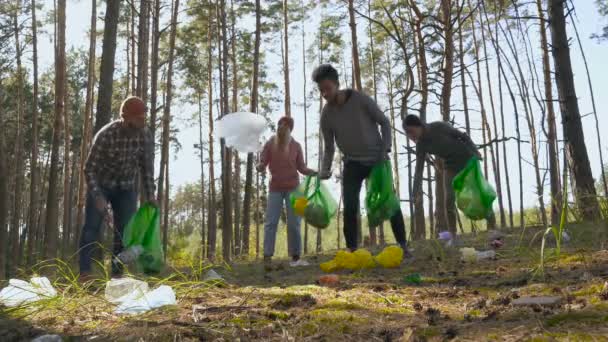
284, 165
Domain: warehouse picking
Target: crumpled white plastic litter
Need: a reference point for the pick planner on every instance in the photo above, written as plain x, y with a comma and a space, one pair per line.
242, 131
120, 290
20, 292
138, 303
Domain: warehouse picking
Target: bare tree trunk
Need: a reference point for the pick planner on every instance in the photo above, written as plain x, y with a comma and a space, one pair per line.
305, 78
286, 57
34, 172
226, 152
212, 215
67, 176
319, 246
201, 151
494, 153
253, 104
52, 205
597, 127
445, 106
504, 145
571, 117
554, 172
238, 242
167, 124
143, 50
355, 47
133, 71
106, 72
88, 116
18, 152
463, 82
154, 67
419, 45
4, 176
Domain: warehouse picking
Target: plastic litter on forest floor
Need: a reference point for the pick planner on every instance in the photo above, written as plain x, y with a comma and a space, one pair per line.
133, 296
242, 131
413, 279
471, 255
20, 292
390, 257
213, 276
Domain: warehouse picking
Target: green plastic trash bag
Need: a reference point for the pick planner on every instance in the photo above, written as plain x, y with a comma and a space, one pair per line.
144, 230
474, 195
381, 202
320, 207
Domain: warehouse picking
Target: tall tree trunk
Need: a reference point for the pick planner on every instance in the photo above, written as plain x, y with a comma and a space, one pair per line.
34, 172
201, 151
67, 176
420, 47
494, 153
52, 205
88, 112
238, 242
573, 129
154, 67
133, 72
304, 97
286, 57
167, 123
226, 152
212, 216
597, 125
554, 172
319, 245
18, 153
4, 176
441, 210
504, 145
463, 83
355, 47
106, 72
253, 104
143, 50
525, 98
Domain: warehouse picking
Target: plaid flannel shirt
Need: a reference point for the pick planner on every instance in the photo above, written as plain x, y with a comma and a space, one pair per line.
115, 158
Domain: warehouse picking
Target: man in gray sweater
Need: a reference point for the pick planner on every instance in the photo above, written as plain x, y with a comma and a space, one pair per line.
454, 147
351, 119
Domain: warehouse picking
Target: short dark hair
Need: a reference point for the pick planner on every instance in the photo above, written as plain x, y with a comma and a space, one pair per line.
412, 121
325, 72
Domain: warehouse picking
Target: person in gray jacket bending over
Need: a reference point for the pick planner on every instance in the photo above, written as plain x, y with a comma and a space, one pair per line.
351, 119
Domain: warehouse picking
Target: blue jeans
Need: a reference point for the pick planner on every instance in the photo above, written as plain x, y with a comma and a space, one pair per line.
124, 205
273, 214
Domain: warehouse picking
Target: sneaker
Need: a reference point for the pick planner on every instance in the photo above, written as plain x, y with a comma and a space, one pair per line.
299, 263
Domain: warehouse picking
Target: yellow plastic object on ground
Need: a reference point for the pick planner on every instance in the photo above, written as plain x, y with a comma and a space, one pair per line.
347, 260
300, 205
390, 257
364, 258
329, 266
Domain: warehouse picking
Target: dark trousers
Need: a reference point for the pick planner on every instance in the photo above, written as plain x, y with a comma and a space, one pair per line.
354, 174
124, 205
450, 203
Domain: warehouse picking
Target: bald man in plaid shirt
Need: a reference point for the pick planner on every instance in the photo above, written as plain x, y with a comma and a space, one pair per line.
121, 150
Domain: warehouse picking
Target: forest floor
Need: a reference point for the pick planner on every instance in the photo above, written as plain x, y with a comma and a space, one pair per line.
456, 300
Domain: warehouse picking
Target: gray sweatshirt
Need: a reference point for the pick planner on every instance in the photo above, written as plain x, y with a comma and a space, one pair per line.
354, 127
446, 142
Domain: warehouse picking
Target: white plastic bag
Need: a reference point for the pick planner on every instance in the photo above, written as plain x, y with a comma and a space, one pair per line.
242, 131
162, 296
20, 292
120, 290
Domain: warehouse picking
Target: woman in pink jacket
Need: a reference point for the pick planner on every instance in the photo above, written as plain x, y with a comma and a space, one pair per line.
283, 156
